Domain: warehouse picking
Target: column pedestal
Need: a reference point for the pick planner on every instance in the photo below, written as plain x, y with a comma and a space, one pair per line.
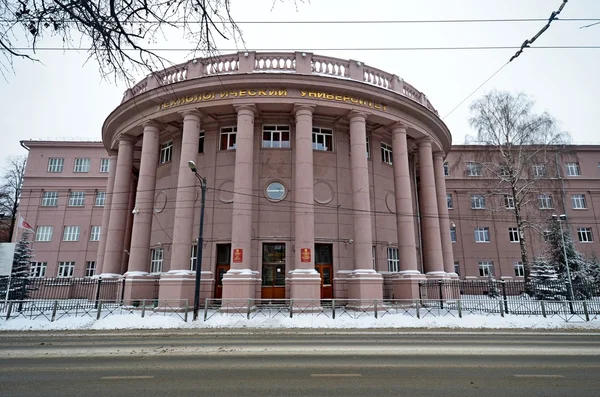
239, 289
178, 285
138, 286
305, 289
364, 287
406, 284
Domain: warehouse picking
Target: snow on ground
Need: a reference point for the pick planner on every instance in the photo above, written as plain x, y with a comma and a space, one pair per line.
135, 321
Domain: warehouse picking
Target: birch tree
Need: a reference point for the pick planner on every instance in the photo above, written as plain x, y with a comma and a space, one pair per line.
10, 189
521, 160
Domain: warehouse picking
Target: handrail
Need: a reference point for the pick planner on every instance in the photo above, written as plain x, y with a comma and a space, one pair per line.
281, 62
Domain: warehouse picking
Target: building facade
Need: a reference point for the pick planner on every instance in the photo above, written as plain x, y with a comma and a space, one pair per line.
325, 178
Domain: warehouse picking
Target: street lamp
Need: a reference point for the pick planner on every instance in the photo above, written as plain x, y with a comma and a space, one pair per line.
560, 219
192, 167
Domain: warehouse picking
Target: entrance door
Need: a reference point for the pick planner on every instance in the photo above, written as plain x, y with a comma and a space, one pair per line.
324, 265
223, 258
273, 271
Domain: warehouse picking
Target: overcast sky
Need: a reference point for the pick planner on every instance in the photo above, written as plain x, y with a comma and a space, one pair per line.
66, 98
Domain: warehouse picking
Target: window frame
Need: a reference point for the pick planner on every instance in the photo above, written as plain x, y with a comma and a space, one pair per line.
100, 199
519, 269
65, 269
486, 268
545, 201
76, 199
446, 169
45, 232
478, 202
38, 269
95, 231
585, 235
157, 257
540, 170
193, 257
509, 202
453, 236
90, 269
324, 133
578, 199
449, 201
56, 165
166, 152
393, 260
387, 156
572, 168
276, 130
104, 165
229, 132
81, 165
484, 233
49, 199
201, 142
513, 235
474, 169
71, 233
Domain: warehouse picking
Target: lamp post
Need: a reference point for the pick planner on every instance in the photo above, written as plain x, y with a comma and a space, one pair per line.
560, 219
200, 243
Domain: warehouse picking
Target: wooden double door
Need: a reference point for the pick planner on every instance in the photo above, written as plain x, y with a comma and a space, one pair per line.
324, 265
223, 259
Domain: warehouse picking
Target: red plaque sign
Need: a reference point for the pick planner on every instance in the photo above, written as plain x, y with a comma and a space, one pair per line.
238, 255
305, 255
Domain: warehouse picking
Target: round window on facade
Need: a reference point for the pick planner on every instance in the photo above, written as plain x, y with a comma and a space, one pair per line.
275, 191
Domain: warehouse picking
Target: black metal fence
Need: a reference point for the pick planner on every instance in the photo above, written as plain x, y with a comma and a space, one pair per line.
90, 289
507, 289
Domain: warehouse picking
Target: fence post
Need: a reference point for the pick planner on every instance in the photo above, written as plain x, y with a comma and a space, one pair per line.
441, 294
420, 292
9, 310
143, 307
417, 302
501, 308
54, 307
123, 291
186, 311
504, 296
375, 305
459, 308
99, 312
248, 311
585, 311
205, 308
333, 308
543, 309
98, 291
291, 307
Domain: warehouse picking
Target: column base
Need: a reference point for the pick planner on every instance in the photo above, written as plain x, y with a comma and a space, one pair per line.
138, 286
406, 284
179, 285
305, 289
364, 287
437, 275
453, 276
239, 288
108, 275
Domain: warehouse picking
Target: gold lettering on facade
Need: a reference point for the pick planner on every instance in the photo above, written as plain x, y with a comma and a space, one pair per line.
251, 92
262, 93
302, 93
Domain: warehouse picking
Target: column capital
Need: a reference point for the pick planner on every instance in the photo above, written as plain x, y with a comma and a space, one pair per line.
439, 155
425, 141
191, 113
397, 128
150, 124
246, 109
112, 153
303, 107
126, 139
357, 114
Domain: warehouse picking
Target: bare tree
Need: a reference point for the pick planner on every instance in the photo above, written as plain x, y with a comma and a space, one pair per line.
10, 189
119, 33
521, 162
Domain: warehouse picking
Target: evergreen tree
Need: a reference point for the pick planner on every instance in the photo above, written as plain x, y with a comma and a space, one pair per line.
545, 283
578, 266
493, 291
21, 268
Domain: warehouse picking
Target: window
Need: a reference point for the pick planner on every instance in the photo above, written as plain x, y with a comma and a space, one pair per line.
473, 169
513, 235
275, 191
76, 199
585, 234
386, 153
82, 165
65, 269
368, 148
505, 170
573, 169
90, 268
38, 269
322, 139
276, 136
545, 202
546, 235
100, 199
453, 234
509, 202
449, 201
56, 164
393, 261
156, 260
486, 268
95, 233
201, 143
194, 258
539, 170
519, 269
50, 199
166, 152
44, 233
71, 233
104, 165
228, 135
578, 201
457, 267
482, 234
374, 255
477, 201
446, 169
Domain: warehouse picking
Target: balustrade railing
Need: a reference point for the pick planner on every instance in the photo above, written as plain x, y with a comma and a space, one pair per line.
289, 62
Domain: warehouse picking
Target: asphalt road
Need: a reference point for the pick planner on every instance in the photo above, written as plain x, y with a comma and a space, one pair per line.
300, 364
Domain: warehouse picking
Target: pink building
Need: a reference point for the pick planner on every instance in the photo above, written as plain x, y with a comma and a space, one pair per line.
325, 179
